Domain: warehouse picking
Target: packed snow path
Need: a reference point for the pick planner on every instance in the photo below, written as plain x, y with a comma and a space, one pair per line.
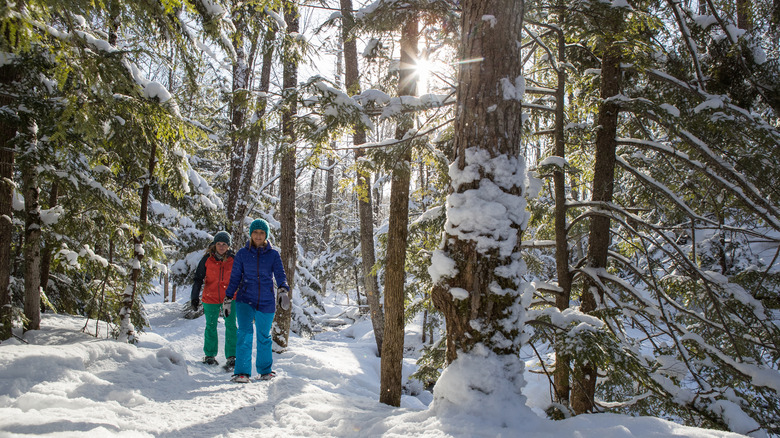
67, 383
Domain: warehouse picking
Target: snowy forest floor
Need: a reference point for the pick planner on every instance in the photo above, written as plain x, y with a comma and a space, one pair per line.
65, 383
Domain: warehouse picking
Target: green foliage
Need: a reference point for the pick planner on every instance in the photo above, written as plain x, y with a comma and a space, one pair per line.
430, 364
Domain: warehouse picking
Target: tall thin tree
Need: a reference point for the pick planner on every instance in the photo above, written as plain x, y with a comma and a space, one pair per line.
287, 178
365, 209
398, 230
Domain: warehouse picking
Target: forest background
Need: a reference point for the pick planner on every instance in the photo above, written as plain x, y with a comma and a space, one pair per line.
596, 179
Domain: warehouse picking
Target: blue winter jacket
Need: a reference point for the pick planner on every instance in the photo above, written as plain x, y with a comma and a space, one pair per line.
251, 279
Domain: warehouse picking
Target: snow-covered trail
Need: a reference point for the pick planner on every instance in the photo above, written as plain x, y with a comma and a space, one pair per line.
66, 383
323, 387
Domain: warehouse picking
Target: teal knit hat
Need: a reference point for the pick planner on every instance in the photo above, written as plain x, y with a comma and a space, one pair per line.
259, 224
222, 236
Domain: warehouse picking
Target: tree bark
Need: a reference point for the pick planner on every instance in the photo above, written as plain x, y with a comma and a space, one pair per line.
48, 244
365, 208
9, 74
393, 342
585, 374
745, 15
287, 173
487, 122
32, 233
126, 329
248, 170
562, 360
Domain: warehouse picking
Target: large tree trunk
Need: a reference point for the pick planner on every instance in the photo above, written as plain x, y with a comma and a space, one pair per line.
585, 373
9, 74
488, 129
365, 209
287, 173
562, 360
32, 234
393, 343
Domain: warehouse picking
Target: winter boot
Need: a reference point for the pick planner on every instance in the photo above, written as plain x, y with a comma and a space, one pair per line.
210, 360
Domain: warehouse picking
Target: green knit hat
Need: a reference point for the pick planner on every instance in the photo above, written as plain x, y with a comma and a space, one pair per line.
259, 224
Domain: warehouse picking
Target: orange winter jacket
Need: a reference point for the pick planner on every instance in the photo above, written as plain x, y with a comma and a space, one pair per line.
216, 275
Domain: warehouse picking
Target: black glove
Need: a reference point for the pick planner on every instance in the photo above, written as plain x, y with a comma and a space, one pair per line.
283, 298
226, 306
195, 302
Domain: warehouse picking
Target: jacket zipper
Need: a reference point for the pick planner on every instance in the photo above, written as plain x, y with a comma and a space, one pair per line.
258, 278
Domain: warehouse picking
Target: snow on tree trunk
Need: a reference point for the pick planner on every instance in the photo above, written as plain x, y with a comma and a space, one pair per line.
393, 342
287, 172
126, 328
365, 209
238, 106
477, 272
32, 232
49, 244
248, 171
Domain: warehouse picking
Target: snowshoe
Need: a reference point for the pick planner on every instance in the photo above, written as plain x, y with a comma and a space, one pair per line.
230, 364
189, 313
266, 376
210, 360
240, 378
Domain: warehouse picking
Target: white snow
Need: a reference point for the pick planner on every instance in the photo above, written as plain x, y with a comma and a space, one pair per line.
553, 160
490, 19
671, 109
489, 214
67, 383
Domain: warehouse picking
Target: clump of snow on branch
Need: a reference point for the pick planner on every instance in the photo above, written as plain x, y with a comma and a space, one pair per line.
554, 160
490, 214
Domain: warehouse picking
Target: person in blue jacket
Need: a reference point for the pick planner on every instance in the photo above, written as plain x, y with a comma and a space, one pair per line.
255, 267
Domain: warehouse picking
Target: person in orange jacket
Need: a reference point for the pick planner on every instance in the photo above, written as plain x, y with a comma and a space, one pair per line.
214, 270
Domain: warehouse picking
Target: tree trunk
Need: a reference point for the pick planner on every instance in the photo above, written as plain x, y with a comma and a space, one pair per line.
248, 170
49, 243
287, 173
239, 104
745, 15
365, 208
585, 374
487, 128
562, 360
9, 74
126, 329
32, 233
393, 343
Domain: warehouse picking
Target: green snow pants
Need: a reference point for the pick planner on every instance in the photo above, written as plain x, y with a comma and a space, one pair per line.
210, 338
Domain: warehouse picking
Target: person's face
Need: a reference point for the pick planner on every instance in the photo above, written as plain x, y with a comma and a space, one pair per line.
222, 248
258, 238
